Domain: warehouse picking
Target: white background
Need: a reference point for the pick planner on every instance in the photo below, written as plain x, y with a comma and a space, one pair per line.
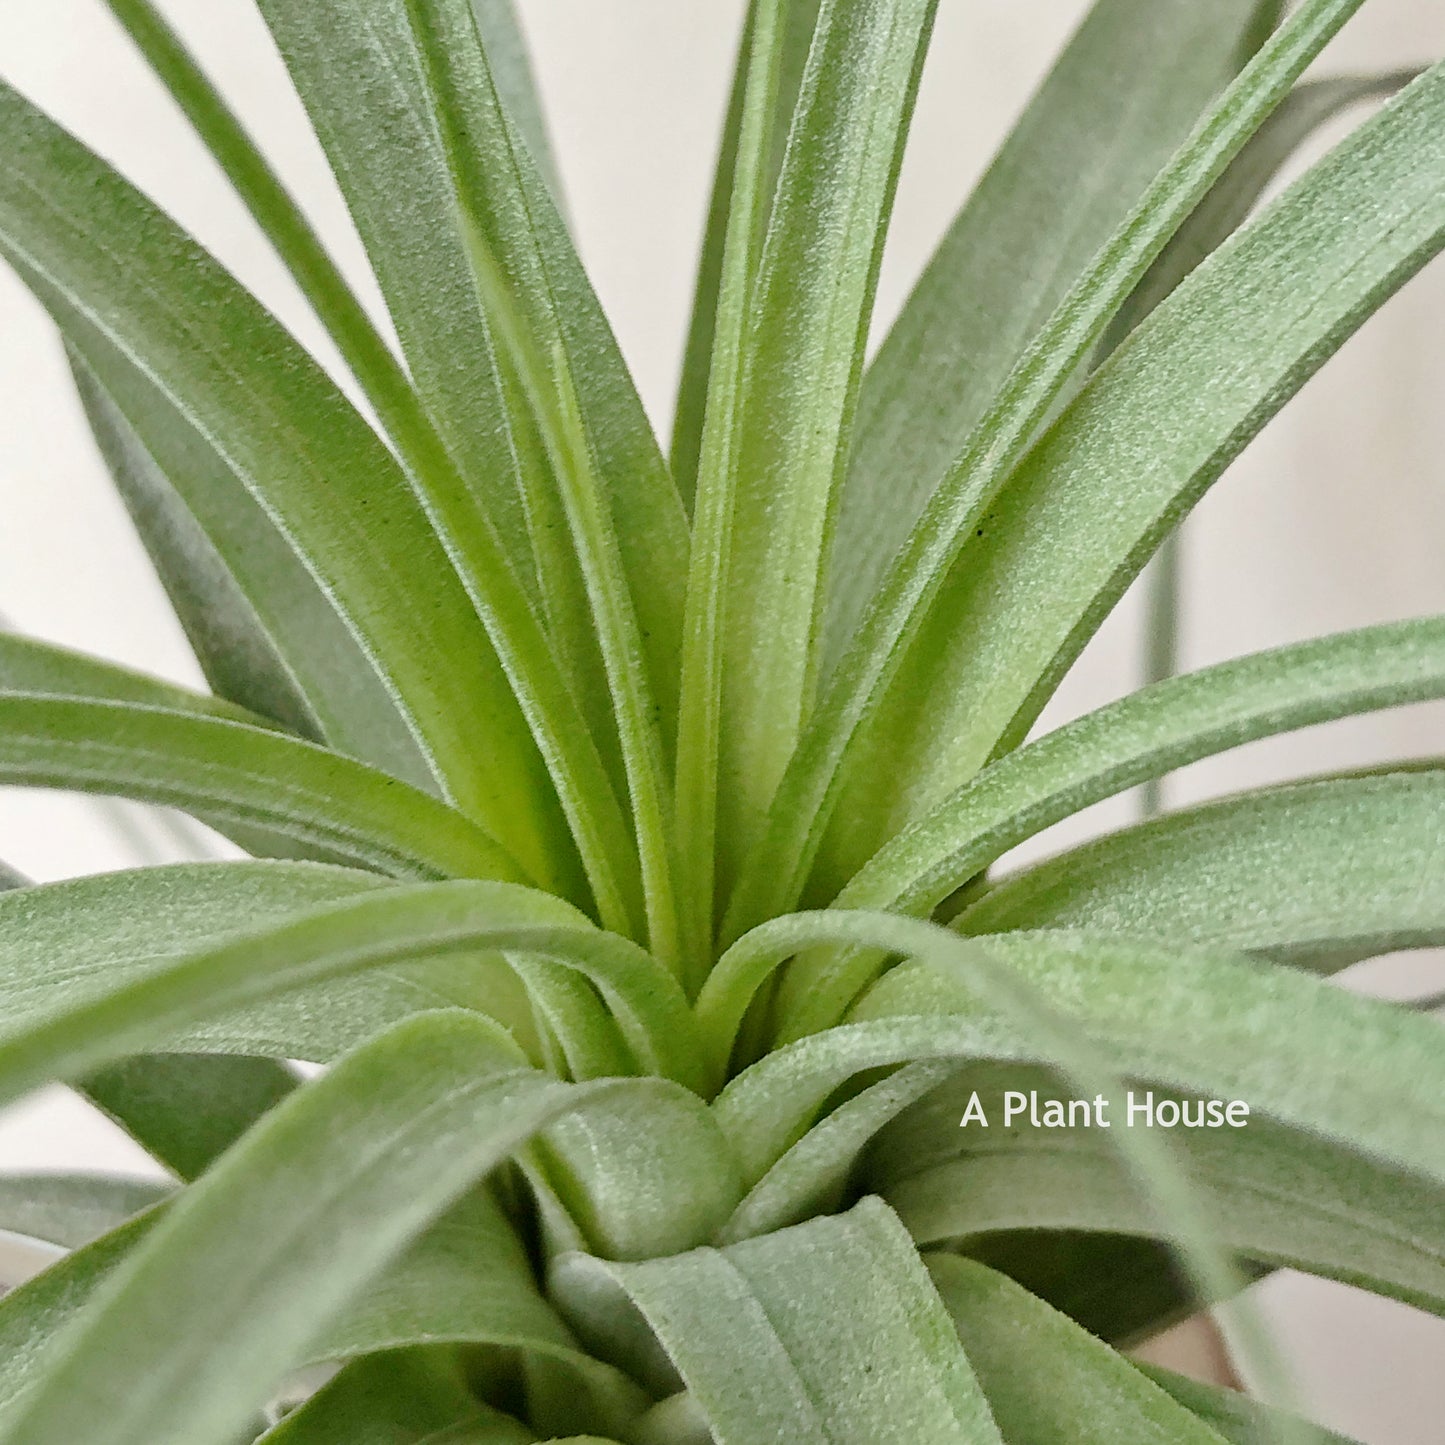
1335, 518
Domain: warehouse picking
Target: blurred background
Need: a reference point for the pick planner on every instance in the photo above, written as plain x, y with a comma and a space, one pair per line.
1335, 518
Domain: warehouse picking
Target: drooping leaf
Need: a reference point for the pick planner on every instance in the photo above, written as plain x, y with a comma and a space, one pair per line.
70, 1031
1353, 1070
1047, 1379
1282, 1197
72, 1209
277, 793
801, 369
108, 264
31, 666
141, 1366
1228, 348
74, 940
1325, 872
1120, 99
810, 792
777, 1338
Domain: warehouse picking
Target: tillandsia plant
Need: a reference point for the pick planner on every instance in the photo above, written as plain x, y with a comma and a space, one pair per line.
623, 821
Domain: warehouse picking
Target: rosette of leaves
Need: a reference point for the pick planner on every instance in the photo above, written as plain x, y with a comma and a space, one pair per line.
622, 819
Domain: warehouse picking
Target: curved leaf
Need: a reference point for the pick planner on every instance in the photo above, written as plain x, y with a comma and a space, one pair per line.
1281, 1197
72, 1209
809, 1178
109, 265
776, 1338
71, 941
809, 794
1045, 1378
31, 666
1141, 736
1362, 1073
1118, 101
273, 790
71, 1031
1323, 872
141, 1365
1220, 357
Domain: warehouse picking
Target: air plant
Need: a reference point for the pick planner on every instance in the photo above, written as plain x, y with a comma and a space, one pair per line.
624, 824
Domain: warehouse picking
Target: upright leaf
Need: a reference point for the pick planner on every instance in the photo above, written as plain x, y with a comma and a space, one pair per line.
753, 153
627, 530
105, 258
1119, 100
808, 797
1218, 359
801, 369
795, 21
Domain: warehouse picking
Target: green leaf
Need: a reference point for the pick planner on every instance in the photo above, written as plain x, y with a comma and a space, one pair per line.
275, 792
34, 1315
360, 79
810, 792
626, 524
1307, 109
141, 1366
777, 1338
72, 1209
733, 188
468, 1280
73, 940
1142, 736
72, 1030
30, 666
1321, 872
751, 161
1045, 1378
263, 630
410, 1398
1281, 1197
810, 1178
1236, 1417
108, 264
1119, 100
1220, 357
1356, 1071
186, 1110
801, 369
